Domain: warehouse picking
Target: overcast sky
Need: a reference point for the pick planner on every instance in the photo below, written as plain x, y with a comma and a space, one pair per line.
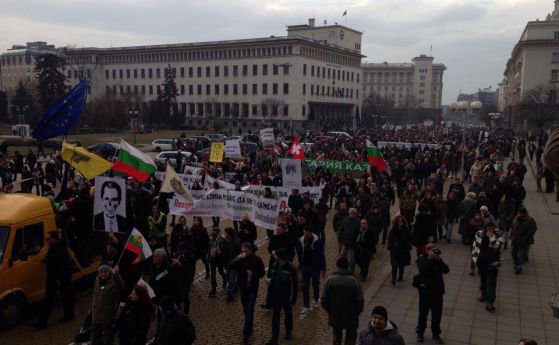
472, 38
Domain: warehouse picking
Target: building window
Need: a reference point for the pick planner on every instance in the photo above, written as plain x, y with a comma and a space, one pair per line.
182, 72
285, 110
254, 69
216, 89
208, 89
304, 69
225, 71
254, 89
151, 89
304, 89
208, 71
135, 73
199, 89
107, 90
143, 89
157, 73
555, 58
143, 73
245, 70
235, 89
182, 89
312, 70
190, 89
158, 89
555, 75
190, 72
254, 110
226, 89
275, 69
286, 69
312, 89
275, 88
235, 71
120, 74
245, 89
127, 74
107, 75
216, 71
264, 89
556, 35
265, 69
199, 72
285, 88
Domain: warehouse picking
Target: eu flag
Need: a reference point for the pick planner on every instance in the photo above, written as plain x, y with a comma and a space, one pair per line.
63, 114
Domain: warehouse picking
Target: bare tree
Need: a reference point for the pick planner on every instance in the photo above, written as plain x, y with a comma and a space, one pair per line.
539, 105
271, 106
375, 104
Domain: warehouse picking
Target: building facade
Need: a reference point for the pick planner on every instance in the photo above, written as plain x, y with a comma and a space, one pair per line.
311, 76
418, 84
534, 63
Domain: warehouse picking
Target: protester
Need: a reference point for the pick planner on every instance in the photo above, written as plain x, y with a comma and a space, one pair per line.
106, 293
342, 298
135, 317
380, 330
312, 264
486, 254
174, 326
522, 237
399, 245
430, 286
365, 247
347, 234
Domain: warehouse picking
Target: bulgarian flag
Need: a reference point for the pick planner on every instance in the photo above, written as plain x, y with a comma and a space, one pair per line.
133, 162
138, 245
375, 157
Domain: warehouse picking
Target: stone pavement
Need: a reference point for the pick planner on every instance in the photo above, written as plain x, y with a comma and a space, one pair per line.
522, 300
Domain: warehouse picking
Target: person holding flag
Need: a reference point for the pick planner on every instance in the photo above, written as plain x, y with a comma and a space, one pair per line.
374, 157
296, 150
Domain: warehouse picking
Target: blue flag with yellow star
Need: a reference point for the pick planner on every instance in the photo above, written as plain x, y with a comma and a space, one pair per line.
63, 114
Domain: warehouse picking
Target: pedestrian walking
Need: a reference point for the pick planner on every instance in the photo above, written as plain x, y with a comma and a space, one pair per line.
174, 327
284, 286
399, 245
59, 278
250, 269
312, 264
135, 317
486, 254
430, 285
342, 298
522, 237
106, 294
365, 247
216, 262
380, 330
349, 229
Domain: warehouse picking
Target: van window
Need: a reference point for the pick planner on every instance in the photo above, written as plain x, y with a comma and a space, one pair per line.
4, 235
28, 240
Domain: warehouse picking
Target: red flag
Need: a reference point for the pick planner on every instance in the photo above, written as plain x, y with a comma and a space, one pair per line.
296, 150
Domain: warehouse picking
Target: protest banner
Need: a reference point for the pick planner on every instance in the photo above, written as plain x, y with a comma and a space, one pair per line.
228, 204
292, 176
283, 193
216, 152
233, 148
222, 184
356, 169
186, 179
267, 137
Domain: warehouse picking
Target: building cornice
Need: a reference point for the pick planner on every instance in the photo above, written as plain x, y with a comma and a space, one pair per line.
526, 44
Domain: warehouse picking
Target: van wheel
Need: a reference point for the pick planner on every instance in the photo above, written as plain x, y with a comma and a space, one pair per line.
158, 149
12, 309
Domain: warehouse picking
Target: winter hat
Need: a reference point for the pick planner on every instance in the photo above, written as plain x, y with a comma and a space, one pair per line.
104, 267
380, 310
484, 209
281, 253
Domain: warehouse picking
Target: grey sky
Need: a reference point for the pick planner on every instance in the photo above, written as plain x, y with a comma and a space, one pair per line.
472, 38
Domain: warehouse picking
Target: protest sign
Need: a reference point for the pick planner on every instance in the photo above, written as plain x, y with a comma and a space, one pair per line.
356, 169
109, 206
216, 152
267, 137
291, 173
186, 179
233, 148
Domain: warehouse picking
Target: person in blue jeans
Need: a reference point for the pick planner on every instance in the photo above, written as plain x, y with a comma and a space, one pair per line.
250, 269
312, 263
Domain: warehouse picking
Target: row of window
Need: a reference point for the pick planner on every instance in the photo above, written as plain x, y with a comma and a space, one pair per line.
215, 109
330, 73
322, 55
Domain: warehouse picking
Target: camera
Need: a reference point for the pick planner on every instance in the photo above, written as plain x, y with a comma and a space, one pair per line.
437, 251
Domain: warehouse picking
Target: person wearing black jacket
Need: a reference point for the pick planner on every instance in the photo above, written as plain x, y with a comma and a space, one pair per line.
59, 276
312, 263
174, 326
399, 245
163, 278
134, 318
430, 285
247, 230
364, 245
183, 259
284, 286
295, 201
250, 269
231, 247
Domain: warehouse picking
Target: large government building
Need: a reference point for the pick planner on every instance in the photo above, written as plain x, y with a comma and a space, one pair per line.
312, 75
534, 63
418, 84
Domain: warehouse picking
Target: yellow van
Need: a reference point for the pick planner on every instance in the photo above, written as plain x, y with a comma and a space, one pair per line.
25, 221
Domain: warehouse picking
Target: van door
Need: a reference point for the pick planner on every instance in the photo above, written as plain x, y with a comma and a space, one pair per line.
4, 267
28, 255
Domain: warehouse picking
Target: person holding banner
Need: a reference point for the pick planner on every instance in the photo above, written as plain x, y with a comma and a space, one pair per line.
247, 230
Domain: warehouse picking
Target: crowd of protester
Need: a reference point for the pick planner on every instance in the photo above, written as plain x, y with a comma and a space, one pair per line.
432, 203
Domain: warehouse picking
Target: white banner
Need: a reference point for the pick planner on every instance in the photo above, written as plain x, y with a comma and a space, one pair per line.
291, 173
222, 184
283, 193
233, 148
229, 204
187, 180
267, 137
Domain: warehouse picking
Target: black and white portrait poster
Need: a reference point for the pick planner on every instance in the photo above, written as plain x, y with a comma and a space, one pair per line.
291, 173
109, 208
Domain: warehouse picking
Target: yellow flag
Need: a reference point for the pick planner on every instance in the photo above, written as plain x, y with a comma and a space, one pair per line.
87, 163
216, 153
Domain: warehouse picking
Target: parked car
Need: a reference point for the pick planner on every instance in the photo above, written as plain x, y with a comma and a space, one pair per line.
340, 134
162, 145
170, 156
203, 140
106, 150
217, 137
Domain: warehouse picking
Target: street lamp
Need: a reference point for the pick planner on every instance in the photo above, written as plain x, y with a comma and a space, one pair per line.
134, 121
463, 107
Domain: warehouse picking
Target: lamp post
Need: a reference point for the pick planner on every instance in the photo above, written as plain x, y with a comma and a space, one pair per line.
463, 107
134, 121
